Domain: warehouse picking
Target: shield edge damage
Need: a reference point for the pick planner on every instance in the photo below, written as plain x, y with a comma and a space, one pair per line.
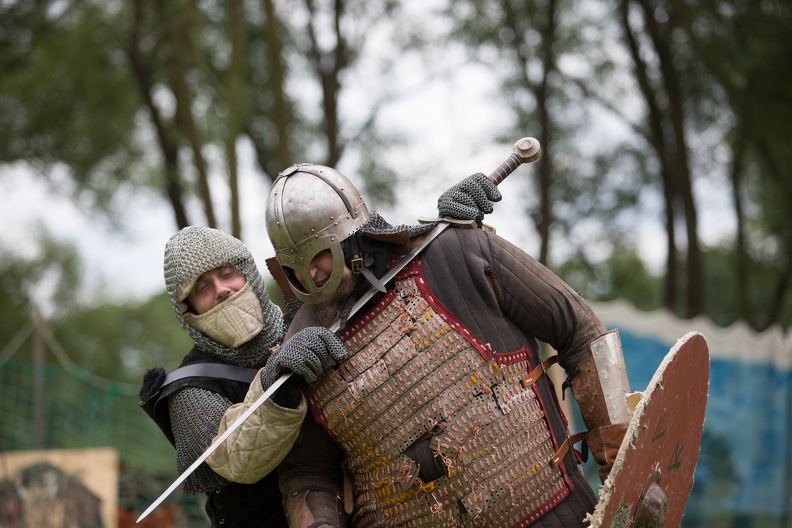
618, 512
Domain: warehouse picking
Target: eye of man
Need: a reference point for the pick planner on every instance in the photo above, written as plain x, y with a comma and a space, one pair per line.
229, 271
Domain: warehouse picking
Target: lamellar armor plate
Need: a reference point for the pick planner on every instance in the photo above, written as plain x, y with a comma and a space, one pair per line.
414, 370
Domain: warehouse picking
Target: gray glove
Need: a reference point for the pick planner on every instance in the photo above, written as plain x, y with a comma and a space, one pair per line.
307, 353
469, 199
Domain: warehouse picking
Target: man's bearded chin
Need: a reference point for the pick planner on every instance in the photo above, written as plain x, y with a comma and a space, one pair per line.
329, 310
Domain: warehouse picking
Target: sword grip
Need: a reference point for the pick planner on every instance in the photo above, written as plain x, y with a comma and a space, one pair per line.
525, 150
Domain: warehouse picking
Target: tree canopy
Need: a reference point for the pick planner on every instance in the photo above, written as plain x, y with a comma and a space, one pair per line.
642, 107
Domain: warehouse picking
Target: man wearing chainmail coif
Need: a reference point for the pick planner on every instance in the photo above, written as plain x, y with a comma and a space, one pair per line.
220, 300
441, 408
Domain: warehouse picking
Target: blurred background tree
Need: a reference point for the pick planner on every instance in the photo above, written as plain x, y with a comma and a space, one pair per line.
125, 96
642, 107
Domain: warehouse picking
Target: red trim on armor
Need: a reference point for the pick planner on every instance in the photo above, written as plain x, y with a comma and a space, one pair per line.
543, 510
512, 358
415, 268
361, 322
556, 443
319, 416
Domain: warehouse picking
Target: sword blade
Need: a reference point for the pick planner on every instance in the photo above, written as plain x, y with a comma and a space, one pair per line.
406, 259
525, 150
212, 448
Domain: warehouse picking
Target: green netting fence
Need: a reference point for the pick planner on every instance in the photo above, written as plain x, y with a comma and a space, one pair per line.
61, 406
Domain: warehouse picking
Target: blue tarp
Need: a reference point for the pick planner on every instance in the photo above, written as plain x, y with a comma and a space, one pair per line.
744, 473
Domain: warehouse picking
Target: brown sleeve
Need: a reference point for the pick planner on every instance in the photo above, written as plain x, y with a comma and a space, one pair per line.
542, 303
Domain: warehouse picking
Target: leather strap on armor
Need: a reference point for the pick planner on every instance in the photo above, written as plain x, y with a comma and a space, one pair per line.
605, 438
568, 443
539, 371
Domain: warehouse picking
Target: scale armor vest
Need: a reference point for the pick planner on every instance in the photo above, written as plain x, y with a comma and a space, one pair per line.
413, 368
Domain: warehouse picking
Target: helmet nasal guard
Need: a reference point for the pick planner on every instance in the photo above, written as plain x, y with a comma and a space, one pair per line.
310, 209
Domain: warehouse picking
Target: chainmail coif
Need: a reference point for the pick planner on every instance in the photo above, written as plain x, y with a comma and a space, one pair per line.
195, 250
195, 412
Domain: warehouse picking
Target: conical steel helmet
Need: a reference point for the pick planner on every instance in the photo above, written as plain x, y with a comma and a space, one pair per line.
311, 209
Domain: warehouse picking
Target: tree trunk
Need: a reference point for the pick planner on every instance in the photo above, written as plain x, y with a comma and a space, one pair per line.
277, 85
681, 167
545, 129
236, 105
657, 139
328, 67
779, 294
142, 75
543, 217
742, 307
178, 66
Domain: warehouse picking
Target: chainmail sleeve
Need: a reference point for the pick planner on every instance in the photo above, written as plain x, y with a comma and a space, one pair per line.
195, 418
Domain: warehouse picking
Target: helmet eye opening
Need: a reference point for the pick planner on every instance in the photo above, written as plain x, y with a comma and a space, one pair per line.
295, 283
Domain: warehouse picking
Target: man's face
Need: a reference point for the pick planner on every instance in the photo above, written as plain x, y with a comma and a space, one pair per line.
320, 269
214, 287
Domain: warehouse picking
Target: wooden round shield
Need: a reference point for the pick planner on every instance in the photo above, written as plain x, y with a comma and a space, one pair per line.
662, 443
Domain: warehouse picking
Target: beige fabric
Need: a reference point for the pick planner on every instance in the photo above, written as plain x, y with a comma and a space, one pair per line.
261, 442
234, 321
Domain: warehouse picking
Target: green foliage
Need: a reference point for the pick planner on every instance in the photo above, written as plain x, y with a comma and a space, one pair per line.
66, 95
622, 275
723, 302
121, 341
51, 275
118, 342
84, 82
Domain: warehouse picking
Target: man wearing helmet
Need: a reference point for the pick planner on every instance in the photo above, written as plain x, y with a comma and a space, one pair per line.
441, 408
218, 295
